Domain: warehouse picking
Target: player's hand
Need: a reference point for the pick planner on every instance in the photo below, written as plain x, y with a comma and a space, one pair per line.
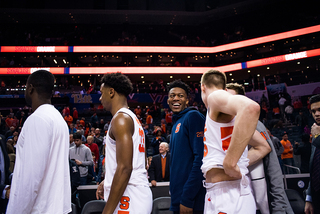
154, 183
7, 192
100, 191
315, 129
185, 210
232, 171
308, 208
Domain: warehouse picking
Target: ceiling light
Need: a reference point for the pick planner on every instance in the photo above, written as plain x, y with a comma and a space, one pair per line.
142, 77
171, 77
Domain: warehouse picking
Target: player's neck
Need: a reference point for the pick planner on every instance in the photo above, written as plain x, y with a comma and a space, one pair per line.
121, 102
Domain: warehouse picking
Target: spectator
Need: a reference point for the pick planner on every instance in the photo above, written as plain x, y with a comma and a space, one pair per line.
15, 122
75, 114
287, 155
156, 141
163, 126
77, 124
4, 181
137, 110
101, 124
72, 129
304, 150
68, 118
82, 156
9, 133
159, 169
82, 122
281, 103
168, 119
80, 129
92, 146
149, 121
71, 141
12, 156
288, 111
98, 139
9, 121
94, 120
22, 119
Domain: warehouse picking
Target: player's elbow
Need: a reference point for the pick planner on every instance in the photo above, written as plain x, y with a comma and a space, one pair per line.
125, 169
253, 108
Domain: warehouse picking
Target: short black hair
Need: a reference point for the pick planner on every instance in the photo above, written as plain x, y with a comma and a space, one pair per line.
43, 82
179, 84
314, 99
119, 82
77, 135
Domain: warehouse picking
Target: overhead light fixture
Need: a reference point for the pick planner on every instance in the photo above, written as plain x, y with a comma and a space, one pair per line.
298, 63
188, 77
142, 77
249, 71
268, 68
171, 77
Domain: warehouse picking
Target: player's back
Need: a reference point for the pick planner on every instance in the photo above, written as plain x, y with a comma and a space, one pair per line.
139, 173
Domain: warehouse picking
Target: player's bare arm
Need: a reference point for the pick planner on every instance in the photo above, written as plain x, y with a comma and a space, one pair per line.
260, 148
223, 107
122, 129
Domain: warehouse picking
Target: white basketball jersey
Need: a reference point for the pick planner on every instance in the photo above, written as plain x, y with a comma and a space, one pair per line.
139, 173
217, 137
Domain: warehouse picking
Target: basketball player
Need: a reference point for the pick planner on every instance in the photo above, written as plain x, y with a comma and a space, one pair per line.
41, 180
125, 187
230, 125
266, 174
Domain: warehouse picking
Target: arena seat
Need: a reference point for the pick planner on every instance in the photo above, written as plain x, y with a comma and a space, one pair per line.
161, 205
296, 201
74, 209
93, 207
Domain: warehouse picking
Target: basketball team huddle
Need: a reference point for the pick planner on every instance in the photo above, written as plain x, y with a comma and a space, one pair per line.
221, 163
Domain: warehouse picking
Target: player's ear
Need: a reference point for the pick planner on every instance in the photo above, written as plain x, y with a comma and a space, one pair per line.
202, 88
112, 92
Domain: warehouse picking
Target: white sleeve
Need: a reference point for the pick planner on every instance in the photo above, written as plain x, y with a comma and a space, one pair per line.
34, 156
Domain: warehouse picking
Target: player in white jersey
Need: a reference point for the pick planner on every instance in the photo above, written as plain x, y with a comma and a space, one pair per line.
41, 178
125, 187
230, 126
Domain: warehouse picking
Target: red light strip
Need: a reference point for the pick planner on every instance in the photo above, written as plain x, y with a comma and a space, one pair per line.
34, 49
18, 71
207, 50
166, 70
283, 58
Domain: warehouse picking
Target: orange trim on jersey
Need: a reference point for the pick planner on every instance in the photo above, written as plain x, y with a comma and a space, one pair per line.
205, 151
226, 136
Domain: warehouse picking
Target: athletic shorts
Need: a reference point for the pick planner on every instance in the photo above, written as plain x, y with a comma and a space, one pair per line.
229, 197
135, 200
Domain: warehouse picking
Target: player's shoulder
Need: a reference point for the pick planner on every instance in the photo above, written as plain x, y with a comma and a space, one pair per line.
194, 114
